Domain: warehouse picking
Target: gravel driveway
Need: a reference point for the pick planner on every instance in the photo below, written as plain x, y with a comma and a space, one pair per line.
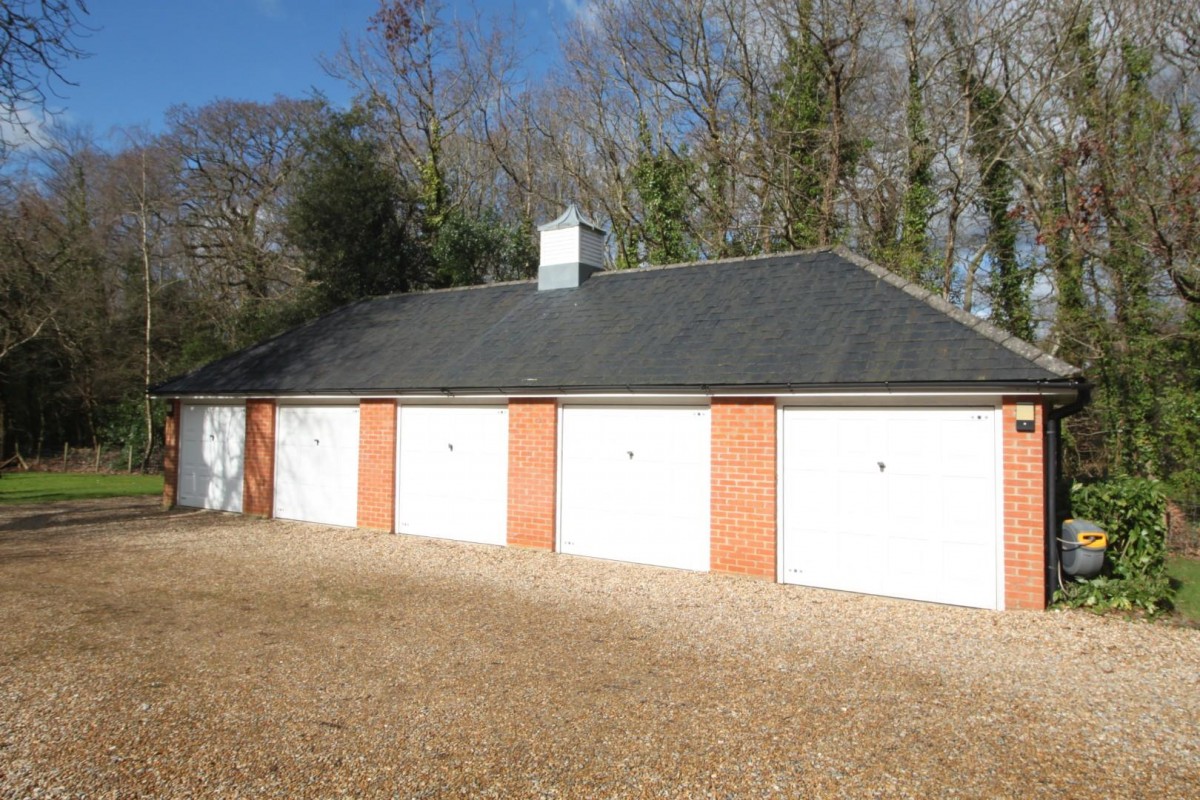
188, 654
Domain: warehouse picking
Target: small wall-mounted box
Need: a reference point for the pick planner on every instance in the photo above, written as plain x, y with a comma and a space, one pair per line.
1026, 417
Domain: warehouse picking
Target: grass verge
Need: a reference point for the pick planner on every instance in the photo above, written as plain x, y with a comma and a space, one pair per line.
47, 487
1185, 577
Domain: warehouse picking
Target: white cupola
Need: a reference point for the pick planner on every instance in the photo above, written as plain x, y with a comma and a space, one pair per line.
572, 249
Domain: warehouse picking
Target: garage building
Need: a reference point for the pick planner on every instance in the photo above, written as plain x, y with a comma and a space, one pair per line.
809, 418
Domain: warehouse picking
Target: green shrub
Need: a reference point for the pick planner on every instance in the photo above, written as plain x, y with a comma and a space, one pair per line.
1132, 511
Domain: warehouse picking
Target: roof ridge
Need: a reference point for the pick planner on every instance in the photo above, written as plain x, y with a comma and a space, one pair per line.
989, 330
446, 289
712, 261
611, 272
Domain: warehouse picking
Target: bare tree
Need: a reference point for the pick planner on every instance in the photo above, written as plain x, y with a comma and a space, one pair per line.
144, 188
37, 39
235, 160
427, 78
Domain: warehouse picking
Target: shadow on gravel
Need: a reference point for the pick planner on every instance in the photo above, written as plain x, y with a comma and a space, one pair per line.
72, 514
148, 653
35, 531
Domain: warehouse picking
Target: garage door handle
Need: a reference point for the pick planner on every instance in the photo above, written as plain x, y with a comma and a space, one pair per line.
882, 466
630, 454
451, 447
317, 442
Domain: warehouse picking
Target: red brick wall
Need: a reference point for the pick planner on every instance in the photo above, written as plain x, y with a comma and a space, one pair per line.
377, 464
532, 472
258, 493
1024, 511
171, 454
743, 486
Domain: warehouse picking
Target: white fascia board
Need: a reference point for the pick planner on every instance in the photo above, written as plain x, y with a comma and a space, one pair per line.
635, 400
209, 399
893, 399
302, 399
460, 402
980, 394
317, 400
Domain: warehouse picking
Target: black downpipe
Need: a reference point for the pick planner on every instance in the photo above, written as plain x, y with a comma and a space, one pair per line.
1052, 444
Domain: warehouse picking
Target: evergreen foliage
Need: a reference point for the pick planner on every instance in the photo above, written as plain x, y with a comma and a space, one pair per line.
472, 250
912, 257
799, 120
662, 181
347, 214
1132, 512
1012, 306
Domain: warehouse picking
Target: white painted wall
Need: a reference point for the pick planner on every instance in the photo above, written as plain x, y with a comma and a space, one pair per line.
572, 246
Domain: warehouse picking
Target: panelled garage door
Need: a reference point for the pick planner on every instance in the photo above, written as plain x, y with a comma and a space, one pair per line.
452, 473
635, 484
212, 446
316, 464
896, 502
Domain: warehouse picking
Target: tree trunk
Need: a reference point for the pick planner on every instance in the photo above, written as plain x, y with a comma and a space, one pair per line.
41, 435
147, 409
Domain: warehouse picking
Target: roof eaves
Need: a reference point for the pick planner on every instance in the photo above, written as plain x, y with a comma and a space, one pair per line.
1001, 337
714, 389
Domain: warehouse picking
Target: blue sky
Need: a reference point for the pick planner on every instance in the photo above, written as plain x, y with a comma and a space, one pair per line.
148, 55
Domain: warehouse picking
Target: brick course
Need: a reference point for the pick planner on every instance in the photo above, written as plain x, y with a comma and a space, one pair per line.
532, 472
1024, 510
743, 482
742, 495
171, 454
258, 479
377, 464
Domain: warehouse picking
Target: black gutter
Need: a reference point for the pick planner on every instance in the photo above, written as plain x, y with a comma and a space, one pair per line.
1053, 467
1041, 387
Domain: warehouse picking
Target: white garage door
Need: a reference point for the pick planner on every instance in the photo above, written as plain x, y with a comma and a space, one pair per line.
316, 464
896, 502
453, 473
212, 446
635, 484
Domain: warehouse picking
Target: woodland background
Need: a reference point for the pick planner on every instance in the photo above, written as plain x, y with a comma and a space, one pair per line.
1035, 163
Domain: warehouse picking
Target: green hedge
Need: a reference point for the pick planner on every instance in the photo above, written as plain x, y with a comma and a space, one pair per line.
1133, 513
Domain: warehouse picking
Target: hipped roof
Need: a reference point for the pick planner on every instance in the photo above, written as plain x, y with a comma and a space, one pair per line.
813, 320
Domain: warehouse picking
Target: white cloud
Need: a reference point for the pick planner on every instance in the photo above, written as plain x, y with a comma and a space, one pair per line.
21, 127
582, 10
270, 8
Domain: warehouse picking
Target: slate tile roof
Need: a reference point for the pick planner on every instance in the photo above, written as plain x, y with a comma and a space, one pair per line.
815, 319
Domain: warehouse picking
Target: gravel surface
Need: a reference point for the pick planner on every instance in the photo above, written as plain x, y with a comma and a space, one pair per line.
194, 654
